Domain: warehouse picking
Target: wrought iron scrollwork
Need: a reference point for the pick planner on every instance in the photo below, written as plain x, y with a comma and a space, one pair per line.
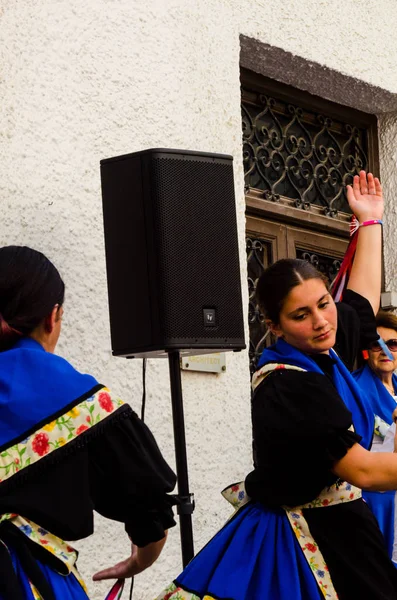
300, 154
258, 258
327, 265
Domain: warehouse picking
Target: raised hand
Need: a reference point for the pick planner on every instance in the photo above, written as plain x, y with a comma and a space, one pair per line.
365, 197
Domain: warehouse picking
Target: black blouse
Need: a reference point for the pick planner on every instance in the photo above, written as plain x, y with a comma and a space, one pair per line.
300, 423
116, 469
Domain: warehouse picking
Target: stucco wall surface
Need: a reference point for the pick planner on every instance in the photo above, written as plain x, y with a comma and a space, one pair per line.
84, 80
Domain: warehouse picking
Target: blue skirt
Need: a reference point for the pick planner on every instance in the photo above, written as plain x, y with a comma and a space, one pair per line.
255, 556
64, 587
382, 505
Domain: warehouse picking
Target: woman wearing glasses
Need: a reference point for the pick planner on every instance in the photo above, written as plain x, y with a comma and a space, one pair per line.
379, 381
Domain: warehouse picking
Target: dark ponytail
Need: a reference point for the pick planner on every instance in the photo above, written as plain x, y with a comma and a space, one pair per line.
278, 280
30, 287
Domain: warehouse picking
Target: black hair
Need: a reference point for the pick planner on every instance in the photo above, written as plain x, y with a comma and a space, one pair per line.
30, 287
278, 280
386, 319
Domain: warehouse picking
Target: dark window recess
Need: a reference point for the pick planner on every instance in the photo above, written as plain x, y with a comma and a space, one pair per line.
258, 258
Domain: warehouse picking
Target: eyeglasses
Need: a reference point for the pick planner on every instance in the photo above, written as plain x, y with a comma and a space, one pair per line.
391, 344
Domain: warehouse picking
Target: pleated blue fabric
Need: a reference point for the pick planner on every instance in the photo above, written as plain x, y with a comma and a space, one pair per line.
255, 556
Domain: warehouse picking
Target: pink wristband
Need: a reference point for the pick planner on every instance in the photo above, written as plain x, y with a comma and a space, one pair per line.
372, 222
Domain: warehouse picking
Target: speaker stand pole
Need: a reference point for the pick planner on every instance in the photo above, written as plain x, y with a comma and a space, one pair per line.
186, 506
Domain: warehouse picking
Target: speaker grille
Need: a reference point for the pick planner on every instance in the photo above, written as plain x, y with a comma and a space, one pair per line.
197, 252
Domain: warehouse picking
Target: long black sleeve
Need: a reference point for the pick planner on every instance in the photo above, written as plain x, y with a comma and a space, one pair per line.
356, 328
129, 480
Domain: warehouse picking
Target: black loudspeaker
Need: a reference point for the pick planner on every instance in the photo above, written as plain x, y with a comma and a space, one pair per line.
171, 253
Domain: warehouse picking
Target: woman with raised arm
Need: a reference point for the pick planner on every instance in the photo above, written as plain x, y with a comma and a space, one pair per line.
68, 446
301, 530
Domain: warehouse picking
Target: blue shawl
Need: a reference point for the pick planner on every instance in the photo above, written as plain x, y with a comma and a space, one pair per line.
36, 385
381, 401
349, 391
382, 404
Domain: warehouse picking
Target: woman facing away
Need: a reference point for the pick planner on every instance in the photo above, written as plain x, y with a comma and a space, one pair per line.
301, 530
378, 380
68, 446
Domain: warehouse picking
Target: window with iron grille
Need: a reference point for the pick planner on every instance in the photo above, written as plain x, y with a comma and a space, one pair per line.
301, 148
299, 153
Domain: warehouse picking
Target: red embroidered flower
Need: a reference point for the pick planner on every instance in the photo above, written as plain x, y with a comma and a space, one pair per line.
16, 461
351, 496
311, 547
325, 502
279, 367
88, 419
105, 401
43, 541
234, 489
81, 429
40, 444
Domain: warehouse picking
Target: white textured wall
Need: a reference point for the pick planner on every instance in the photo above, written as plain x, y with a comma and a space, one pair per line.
82, 80
388, 161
